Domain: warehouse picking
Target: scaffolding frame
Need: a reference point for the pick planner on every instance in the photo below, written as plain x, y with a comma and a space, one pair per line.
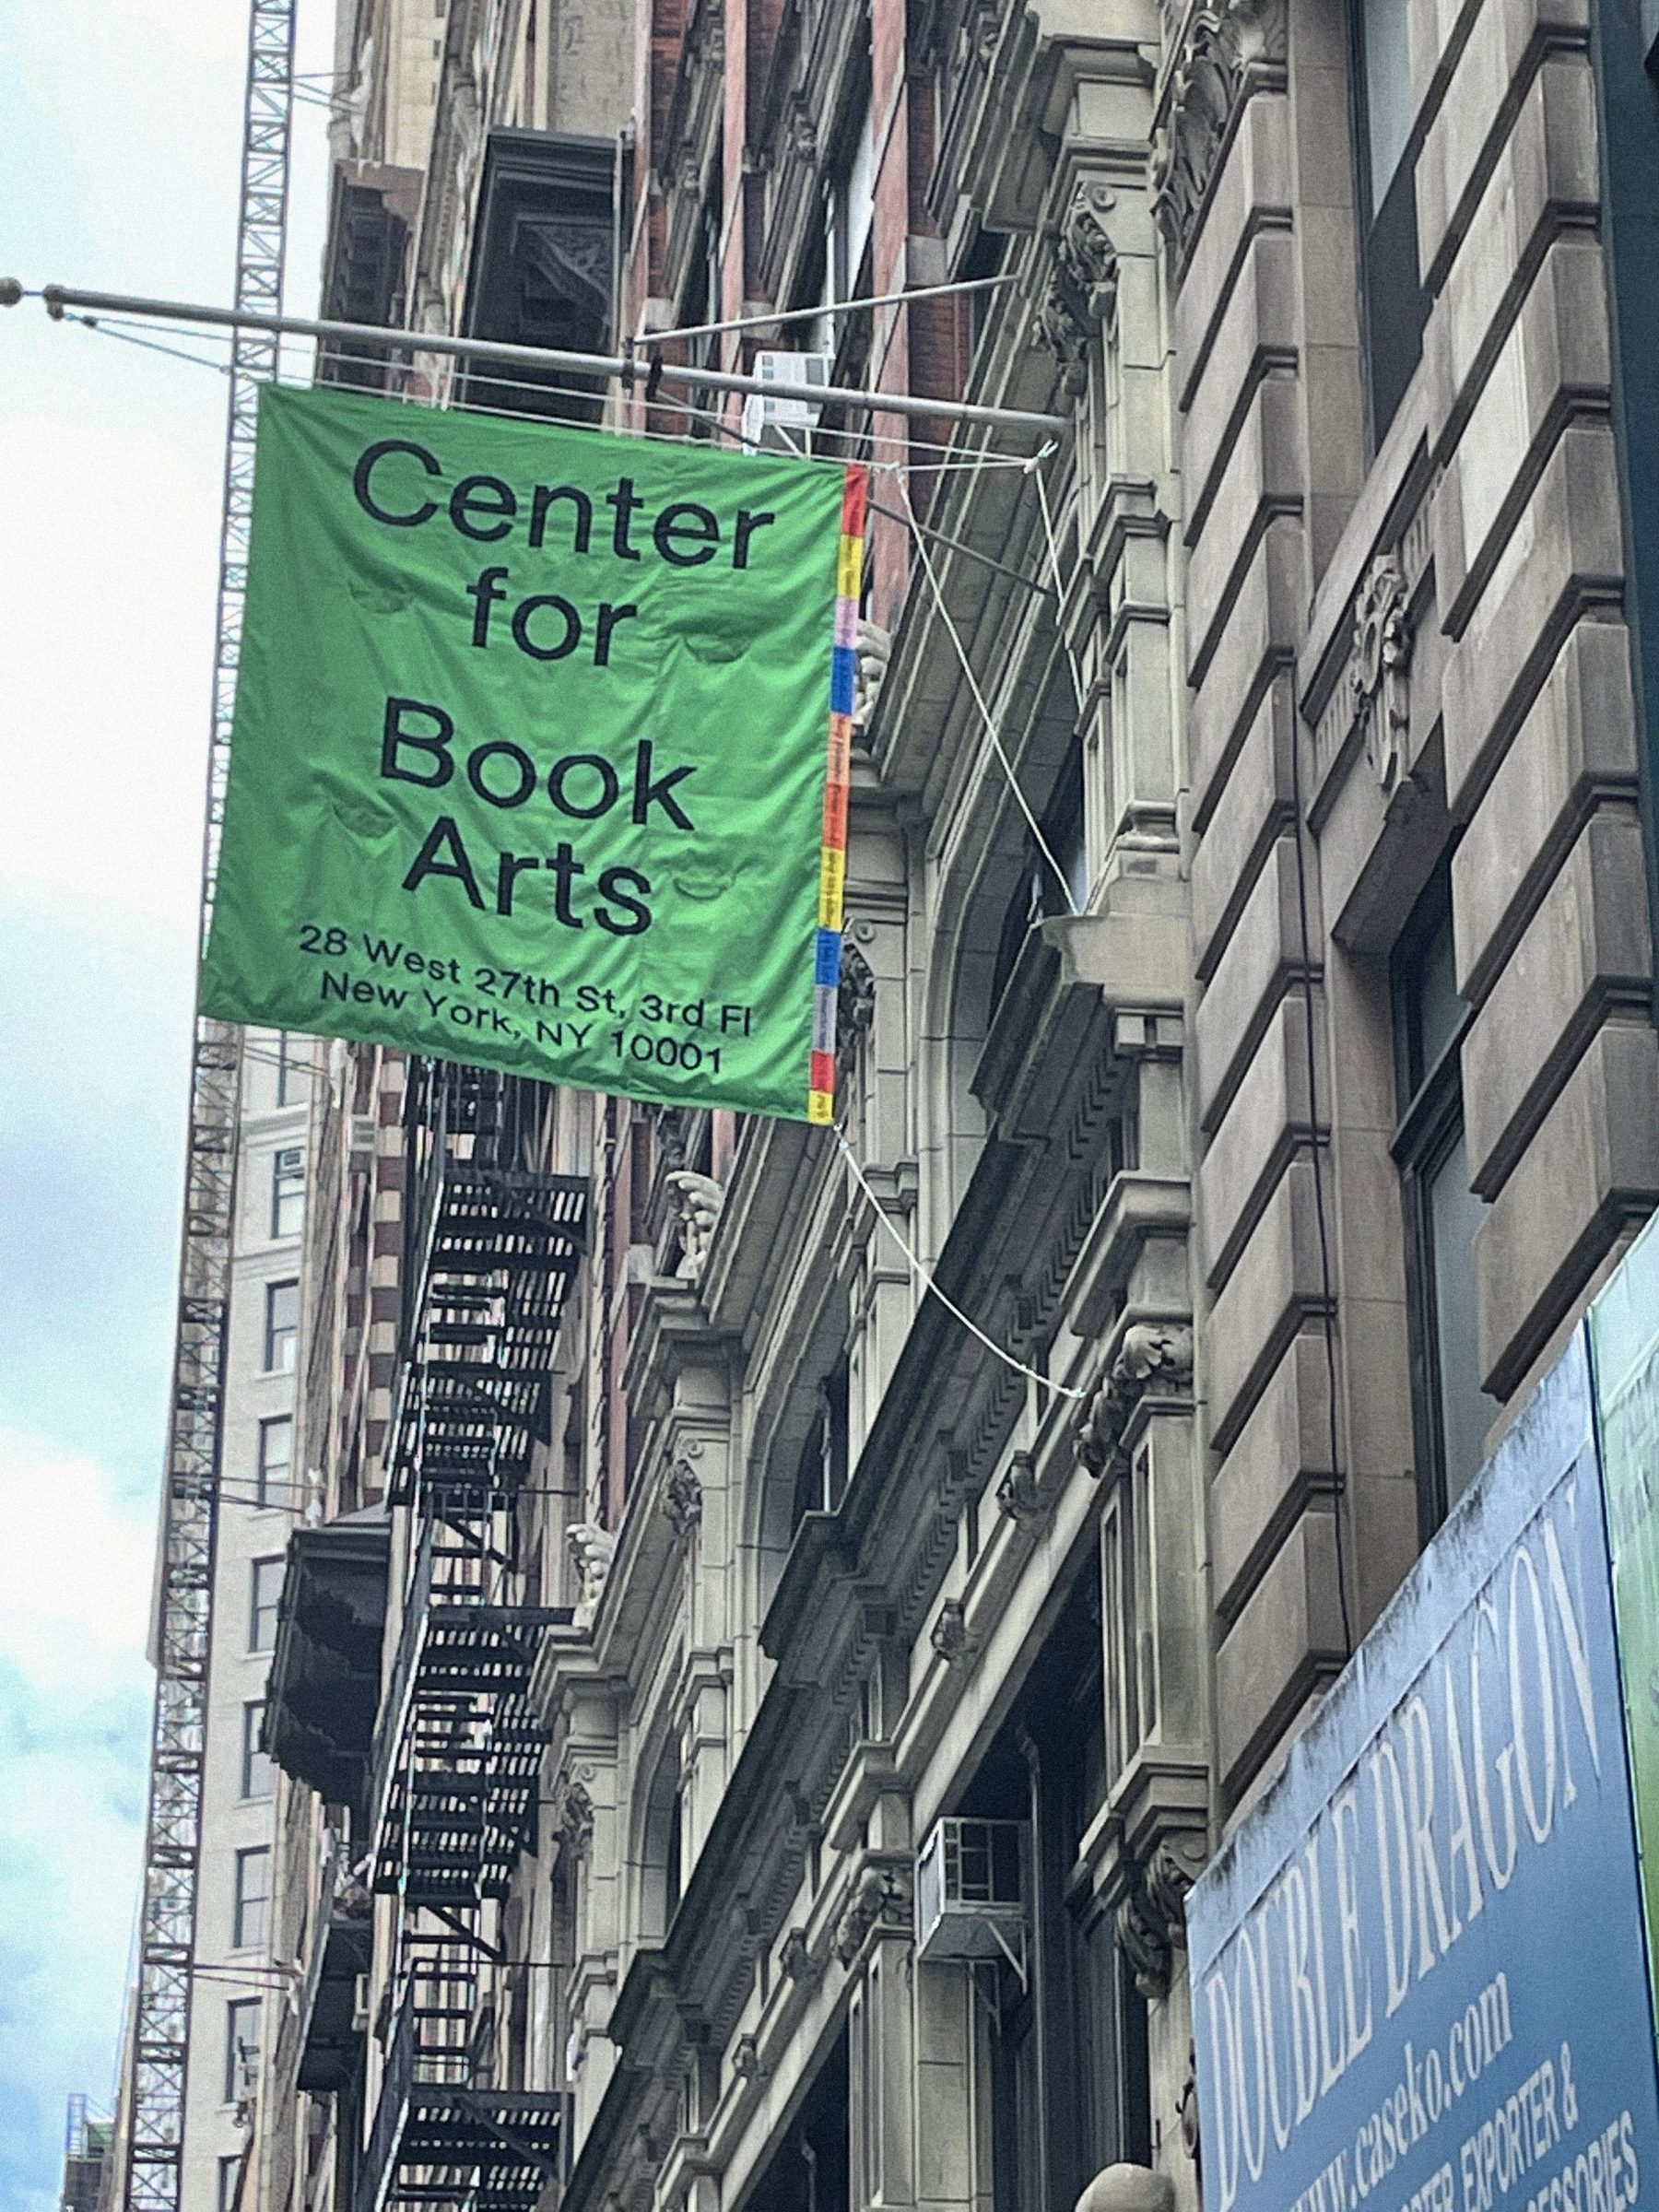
159, 2049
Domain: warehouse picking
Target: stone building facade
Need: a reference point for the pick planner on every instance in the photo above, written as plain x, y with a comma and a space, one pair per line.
1247, 1072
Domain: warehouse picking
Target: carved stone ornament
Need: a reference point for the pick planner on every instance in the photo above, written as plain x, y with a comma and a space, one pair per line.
1230, 49
575, 1813
855, 1009
682, 1497
795, 1959
801, 128
881, 1898
1151, 1920
592, 1549
1377, 677
746, 2060
985, 29
951, 1635
873, 650
699, 1199
1156, 1355
1082, 285
1018, 1494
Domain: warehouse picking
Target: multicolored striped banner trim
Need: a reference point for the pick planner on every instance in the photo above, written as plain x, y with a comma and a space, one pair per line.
832, 860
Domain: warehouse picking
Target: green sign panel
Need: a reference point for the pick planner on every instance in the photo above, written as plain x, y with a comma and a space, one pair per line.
540, 752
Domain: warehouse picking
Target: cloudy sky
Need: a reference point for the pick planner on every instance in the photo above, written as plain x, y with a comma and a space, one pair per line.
120, 123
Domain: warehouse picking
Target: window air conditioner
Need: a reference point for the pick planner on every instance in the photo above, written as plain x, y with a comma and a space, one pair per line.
971, 1885
362, 1143
784, 420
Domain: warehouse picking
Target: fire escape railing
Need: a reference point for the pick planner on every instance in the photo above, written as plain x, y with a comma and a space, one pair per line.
492, 1245
440, 2139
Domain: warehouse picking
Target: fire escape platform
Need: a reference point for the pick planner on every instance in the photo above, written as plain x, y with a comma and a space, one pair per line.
499, 1249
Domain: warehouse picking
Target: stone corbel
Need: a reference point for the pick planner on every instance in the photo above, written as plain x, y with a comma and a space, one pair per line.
1081, 292
951, 1635
1019, 1495
1379, 686
880, 1898
854, 1008
591, 1550
872, 653
699, 1199
1231, 49
573, 1814
801, 128
1151, 1906
794, 1956
682, 1492
1155, 1357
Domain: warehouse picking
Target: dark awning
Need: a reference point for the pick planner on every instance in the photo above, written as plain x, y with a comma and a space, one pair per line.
324, 1684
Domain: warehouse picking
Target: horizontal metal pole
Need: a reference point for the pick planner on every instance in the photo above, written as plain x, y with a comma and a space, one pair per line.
816, 314
59, 297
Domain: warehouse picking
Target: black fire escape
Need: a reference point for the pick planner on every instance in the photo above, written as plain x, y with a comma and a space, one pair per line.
492, 1244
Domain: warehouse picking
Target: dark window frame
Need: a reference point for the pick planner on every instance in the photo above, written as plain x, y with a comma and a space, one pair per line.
264, 1466
278, 1336
246, 1902
824, 1467
1431, 1125
259, 1613
288, 1184
235, 2044
253, 1755
1392, 343
291, 1067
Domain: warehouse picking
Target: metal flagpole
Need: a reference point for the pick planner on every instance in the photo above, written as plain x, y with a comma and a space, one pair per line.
626, 367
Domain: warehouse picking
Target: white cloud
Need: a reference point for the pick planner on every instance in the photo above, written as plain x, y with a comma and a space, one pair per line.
74, 1626
119, 127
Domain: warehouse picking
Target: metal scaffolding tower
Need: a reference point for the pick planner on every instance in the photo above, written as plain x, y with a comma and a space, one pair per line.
157, 2052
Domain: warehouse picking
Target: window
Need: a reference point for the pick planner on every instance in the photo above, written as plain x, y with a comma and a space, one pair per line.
292, 1068
266, 1598
275, 1459
1450, 1411
1395, 305
1038, 890
1064, 2058
288, 1191
281, 1327
242, 2046
258, 1775
250, 1913
821, 1478
230, 2174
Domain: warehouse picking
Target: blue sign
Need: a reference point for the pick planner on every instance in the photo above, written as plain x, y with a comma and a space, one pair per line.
1418, 1968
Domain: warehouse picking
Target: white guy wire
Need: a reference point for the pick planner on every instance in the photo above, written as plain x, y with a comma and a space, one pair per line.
979, 700
1048, 530
919, 1269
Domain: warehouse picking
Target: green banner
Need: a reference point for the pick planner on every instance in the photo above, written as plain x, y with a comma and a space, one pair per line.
539, 757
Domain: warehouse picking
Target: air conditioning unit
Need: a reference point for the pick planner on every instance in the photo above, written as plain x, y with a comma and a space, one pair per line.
971, 1885
362, 1143
783, 420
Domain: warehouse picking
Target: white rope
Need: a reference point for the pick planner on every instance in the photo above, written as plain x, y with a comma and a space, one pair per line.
920, 1271
1054, 550
979, 700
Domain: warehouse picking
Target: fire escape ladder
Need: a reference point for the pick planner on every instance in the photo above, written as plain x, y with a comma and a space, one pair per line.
493, 1247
